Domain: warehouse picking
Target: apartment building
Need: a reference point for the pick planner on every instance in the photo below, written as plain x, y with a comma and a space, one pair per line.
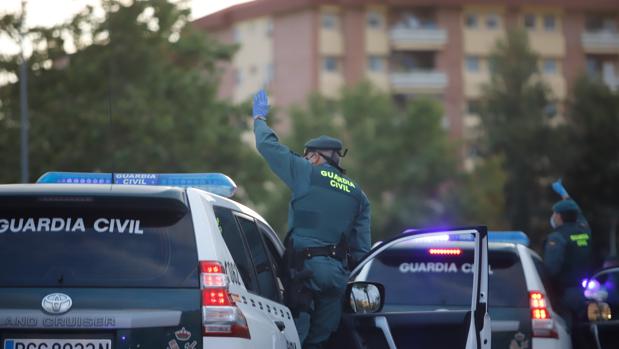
436, 48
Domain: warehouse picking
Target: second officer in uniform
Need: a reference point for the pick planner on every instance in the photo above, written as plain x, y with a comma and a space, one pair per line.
328, 226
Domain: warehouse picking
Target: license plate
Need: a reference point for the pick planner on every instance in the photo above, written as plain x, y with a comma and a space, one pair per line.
57, 343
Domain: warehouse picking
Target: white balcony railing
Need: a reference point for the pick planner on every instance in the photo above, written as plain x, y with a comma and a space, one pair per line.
403, 37
602, 40
612, 81
425, 80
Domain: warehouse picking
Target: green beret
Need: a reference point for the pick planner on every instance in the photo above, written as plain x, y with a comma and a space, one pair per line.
324, 142
564, 206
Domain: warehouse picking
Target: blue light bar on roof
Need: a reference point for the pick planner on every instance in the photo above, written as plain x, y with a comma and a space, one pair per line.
216, 183
515, 237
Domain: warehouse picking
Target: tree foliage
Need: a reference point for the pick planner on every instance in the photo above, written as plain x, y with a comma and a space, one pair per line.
591, 154
517, 129
138, 94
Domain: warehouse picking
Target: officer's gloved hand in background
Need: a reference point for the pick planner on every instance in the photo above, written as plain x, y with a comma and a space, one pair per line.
558, 187
260, 105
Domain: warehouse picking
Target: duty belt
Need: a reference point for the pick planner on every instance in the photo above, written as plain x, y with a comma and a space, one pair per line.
328, 251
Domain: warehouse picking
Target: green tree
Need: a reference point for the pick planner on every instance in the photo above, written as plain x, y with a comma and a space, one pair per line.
476, 198
516, 128
591, 158
138, 94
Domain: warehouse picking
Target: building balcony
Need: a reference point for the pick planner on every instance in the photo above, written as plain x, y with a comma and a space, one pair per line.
612, 81
418, 81
600, 42
418, 38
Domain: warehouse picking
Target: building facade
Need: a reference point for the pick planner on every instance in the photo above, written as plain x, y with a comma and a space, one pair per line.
436, 48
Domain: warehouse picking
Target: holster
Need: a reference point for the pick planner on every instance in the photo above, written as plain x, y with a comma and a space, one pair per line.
297, 295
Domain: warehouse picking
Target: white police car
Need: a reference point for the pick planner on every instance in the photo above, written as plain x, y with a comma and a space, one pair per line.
428, 279
119, 261
380, 314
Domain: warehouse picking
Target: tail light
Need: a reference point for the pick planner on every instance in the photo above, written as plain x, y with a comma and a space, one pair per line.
220, 315
541, 320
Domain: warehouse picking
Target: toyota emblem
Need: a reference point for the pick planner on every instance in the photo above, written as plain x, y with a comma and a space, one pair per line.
56, 303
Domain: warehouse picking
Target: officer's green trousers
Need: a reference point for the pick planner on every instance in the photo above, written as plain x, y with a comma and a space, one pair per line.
328, 285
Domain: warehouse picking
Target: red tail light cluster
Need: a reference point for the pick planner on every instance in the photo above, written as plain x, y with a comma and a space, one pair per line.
220, 315
542, 323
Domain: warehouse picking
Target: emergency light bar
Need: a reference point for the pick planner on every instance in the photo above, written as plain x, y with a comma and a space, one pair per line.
216, 183
515, 237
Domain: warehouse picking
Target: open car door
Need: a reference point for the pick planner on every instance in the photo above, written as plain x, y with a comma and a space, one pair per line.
420, 289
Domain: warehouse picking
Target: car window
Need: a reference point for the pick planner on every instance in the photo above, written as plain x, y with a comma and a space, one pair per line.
263, 265
96, 242
275, 257
415, 277
236, 245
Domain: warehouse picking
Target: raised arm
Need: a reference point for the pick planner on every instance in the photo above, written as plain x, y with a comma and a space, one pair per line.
288, 166
558, 187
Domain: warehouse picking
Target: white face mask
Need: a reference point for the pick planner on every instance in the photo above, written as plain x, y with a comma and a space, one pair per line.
553, 224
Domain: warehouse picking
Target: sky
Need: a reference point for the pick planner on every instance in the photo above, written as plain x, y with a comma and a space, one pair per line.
50, 12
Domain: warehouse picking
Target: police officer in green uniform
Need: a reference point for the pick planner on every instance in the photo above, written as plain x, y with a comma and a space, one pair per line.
567, 251
567, 256
328, 222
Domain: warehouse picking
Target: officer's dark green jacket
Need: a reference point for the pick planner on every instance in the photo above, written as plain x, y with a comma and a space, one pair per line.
567, 254
325, 204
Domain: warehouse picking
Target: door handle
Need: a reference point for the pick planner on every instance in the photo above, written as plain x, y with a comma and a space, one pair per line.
280, 325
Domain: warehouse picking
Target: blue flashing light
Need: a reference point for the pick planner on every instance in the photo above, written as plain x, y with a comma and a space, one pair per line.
216, 183
515, 237
75, 178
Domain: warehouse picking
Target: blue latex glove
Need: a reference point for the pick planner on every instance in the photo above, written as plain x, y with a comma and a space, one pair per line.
261, 104
558, 187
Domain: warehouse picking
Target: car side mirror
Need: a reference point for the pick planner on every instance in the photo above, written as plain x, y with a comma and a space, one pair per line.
365, 297
599, 311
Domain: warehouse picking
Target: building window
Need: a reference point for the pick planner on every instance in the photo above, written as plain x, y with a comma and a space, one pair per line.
471, 21
529, 21
472, 64
375, 20
550, 23
376, 64
329, 21
492, 21
329, 64
601, 23
550, 66
594, 66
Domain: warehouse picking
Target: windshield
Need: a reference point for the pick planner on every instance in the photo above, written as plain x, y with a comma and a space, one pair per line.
96, 242
414, 276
